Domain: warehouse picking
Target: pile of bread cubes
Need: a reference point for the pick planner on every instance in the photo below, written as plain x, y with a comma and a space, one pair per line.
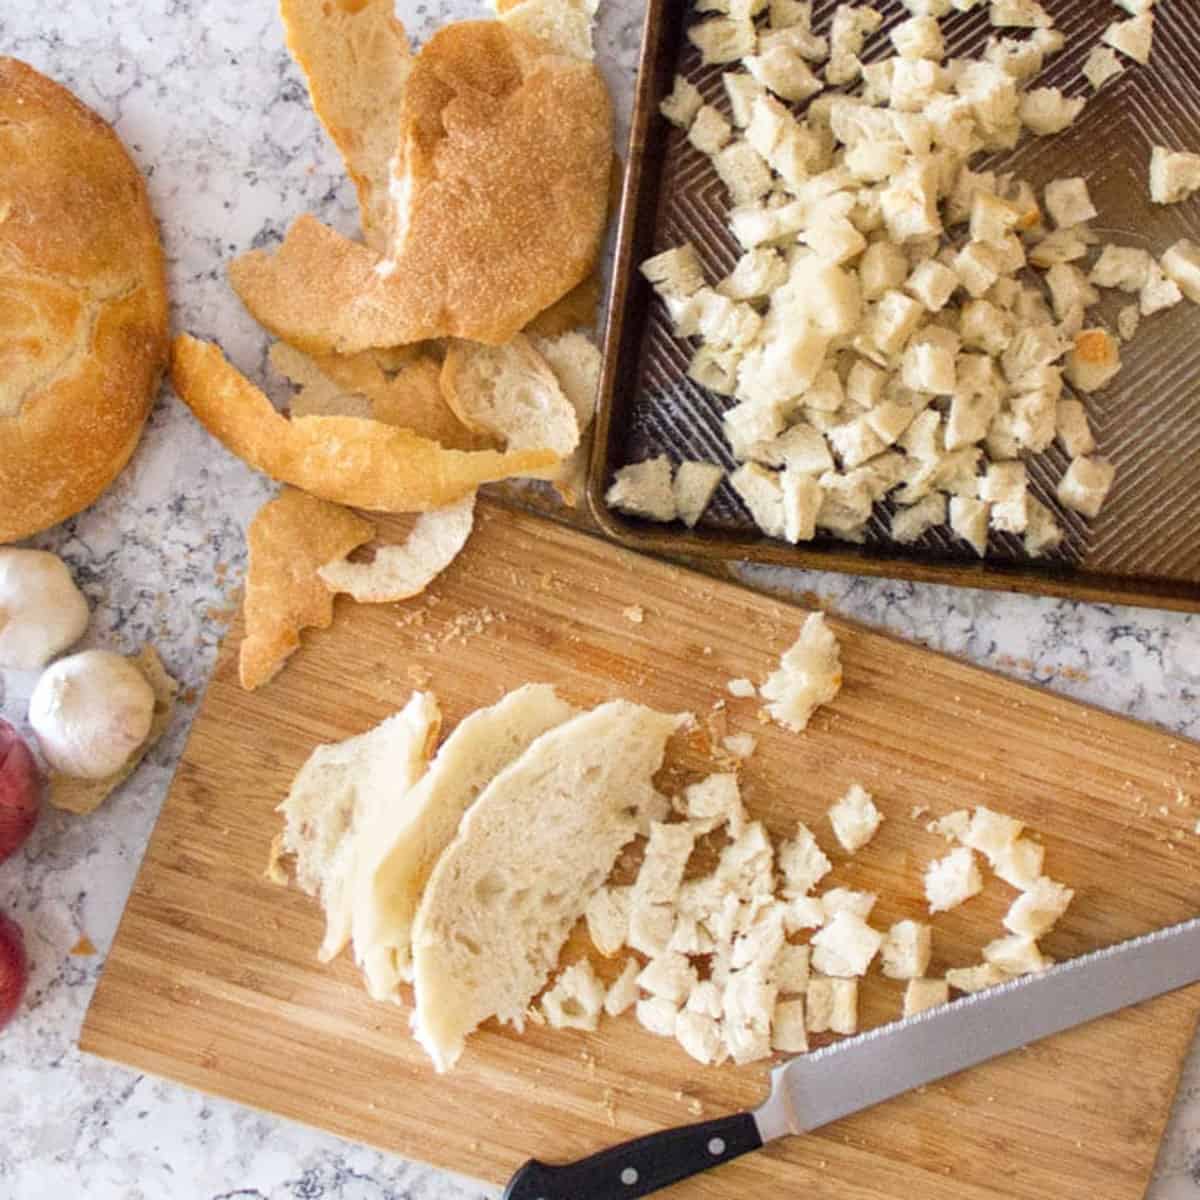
720, 964
900, 324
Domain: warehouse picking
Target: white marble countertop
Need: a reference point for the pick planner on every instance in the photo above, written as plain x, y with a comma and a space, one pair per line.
215, 113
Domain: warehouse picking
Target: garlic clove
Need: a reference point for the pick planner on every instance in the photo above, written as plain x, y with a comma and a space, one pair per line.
42, 612
90, 713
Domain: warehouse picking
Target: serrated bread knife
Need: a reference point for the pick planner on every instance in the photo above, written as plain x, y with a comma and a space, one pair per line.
816, 1089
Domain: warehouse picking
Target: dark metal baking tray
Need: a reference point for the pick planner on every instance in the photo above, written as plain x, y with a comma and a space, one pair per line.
1145, 546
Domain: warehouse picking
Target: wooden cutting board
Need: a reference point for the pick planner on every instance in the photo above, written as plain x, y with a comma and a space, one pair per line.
213, 981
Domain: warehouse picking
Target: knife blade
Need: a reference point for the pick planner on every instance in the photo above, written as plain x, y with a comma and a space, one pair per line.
816, 1089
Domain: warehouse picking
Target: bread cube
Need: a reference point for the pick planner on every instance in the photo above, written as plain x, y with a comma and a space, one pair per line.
802, 862
1133, 38
1020, 59
882, 268
1157, 293
644, 490
1016, 955
919, 37
1038, 909
1101, 66
683, 103
952, 880
1020, 865
1003, 481
715, 801
689, 937
953, 826
802, 498
694, 485
757, 275
912, 522
831, 1005
991, 833
623, 994
994, 101
670, 976
854, 442
797, 37
849, 30
576, 999
1181, 263
650, 928
1124, 267
976, 979
700, 1036
893, 321
971, 414
1034, 415
910, 201
1046, 111
923, 994
676, 272
877, 81
913, 84
723, 40
667, 853
834, 240
1042, 531
784, 14
709, 131
748, 1004
845, 946
907, 950
746, 865
930, 362
838, 900
607, 915
969, 521
803, 912
787, 1027
977, 266
759, 945
1068, 202
742, 90
1020, 14
742, 170
1174, 175
888, 421
783, 69
855, 819
657, 1015
1086, 485
932, 284
792, 970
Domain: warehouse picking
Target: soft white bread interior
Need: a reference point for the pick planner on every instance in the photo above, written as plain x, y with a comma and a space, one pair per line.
539, 841
339, 791
403, 845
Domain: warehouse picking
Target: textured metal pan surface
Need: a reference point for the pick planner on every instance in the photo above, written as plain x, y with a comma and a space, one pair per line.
1145, 546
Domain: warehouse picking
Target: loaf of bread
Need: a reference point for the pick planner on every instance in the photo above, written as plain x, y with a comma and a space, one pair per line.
83, 303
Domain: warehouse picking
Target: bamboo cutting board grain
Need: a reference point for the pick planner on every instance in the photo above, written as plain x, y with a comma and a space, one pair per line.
213, 981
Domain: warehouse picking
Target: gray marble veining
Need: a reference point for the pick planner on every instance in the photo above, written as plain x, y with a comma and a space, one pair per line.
216, 115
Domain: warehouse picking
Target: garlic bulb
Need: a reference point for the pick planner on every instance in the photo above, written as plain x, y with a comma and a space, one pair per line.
42, 612
90, 713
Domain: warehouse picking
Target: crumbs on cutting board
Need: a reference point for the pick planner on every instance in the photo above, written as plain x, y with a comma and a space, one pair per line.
635, 614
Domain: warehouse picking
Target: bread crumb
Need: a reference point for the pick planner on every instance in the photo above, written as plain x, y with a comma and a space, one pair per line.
918, 811
83, 948
742, 688
418, 676
609, 1103
740, 745
634, 613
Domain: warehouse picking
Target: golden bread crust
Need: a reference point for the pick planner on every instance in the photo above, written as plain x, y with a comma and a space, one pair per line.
83, 303
356, 58
346, 460
505, 148
290, 539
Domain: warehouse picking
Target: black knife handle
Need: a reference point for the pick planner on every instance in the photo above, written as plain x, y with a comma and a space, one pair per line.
639, 1167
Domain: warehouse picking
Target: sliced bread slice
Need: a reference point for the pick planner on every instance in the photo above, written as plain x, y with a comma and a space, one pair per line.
403, 845
338, 792
531, 851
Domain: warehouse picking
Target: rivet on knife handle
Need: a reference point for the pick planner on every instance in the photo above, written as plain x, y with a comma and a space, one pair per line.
639, 1167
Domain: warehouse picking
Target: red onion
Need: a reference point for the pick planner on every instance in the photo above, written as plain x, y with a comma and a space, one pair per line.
20, 791
14, 969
